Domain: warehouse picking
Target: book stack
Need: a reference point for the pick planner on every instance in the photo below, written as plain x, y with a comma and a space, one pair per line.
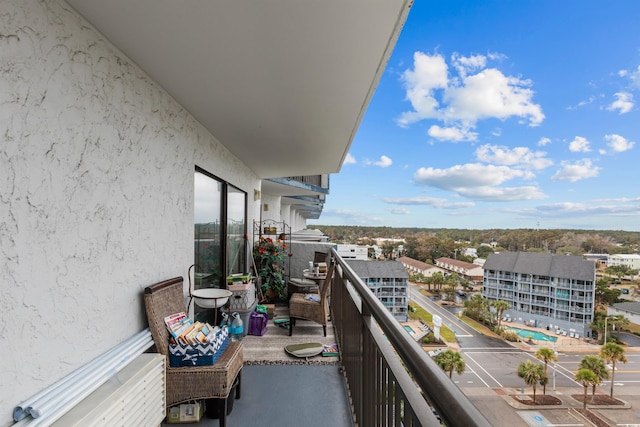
184, 330
329, 350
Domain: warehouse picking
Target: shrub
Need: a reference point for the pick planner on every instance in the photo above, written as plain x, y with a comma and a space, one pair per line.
510, 336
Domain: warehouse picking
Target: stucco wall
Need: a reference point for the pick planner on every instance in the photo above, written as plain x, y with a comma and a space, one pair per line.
96, 193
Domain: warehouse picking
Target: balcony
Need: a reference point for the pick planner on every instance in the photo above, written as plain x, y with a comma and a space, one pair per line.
383, 378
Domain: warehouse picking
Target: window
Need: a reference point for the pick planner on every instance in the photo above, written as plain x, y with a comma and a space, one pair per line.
220, 246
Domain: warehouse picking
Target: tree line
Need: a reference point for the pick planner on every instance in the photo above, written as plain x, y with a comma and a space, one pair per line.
427, 244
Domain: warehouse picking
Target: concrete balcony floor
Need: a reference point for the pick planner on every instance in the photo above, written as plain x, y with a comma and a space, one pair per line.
289, 396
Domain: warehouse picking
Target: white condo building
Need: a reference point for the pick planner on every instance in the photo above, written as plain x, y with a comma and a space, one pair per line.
630, 260
543, 290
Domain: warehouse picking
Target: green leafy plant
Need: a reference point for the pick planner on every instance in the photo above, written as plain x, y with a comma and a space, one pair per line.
269, 255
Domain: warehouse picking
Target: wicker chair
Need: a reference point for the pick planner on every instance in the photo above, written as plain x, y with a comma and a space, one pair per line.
303, 285
190, 382
300, 307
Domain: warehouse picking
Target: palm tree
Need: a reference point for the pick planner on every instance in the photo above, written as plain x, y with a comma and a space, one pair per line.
500, 307
546, 355
531, 373
596, 365
586, 377
449, 361
612, 353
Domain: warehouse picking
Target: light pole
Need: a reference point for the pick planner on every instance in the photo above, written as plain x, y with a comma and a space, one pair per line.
555, 364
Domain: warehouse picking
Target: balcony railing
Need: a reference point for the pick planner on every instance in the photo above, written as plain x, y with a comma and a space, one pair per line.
390, 378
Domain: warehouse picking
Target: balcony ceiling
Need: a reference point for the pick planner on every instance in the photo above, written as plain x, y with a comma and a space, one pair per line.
283, 84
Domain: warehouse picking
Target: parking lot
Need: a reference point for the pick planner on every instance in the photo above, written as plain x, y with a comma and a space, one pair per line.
491, 368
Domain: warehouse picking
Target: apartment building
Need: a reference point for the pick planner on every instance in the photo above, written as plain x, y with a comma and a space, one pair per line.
413, 266
471, 272
388, 281
352, 251
544, 290
629, 260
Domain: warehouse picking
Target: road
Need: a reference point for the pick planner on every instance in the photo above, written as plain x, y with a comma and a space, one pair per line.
493, 363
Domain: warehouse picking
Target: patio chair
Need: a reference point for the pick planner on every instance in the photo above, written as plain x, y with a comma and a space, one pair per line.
302, 284
188, 383
316, 309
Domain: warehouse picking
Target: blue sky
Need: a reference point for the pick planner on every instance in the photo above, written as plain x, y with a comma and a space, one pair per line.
501, 114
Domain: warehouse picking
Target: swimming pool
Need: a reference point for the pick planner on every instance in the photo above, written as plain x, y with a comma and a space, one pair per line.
525, 333
409, 329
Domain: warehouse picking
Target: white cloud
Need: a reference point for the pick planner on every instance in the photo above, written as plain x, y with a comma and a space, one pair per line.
544, 141
353, 217
503, 194
577, 171
349, 159
579, 145
618, 144
623, 104
466, 64
463, 100
517, 156
384, 162
491, 94
399, 211
586, 209
428, 201
463, 176
633, 75
429, 73
479, 182
452, 134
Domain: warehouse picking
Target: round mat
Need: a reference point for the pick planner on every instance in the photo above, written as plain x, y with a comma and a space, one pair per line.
308, 349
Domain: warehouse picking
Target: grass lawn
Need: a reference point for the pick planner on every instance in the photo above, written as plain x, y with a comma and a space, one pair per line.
420, 313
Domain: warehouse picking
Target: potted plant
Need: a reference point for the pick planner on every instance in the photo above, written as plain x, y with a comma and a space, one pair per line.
269, 255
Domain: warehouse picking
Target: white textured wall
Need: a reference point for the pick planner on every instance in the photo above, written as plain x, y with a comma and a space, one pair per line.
96, 193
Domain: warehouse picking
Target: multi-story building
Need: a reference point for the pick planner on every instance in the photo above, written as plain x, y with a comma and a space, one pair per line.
413, 266
467, 270
543, 290
352, 251
388, 281
629, 260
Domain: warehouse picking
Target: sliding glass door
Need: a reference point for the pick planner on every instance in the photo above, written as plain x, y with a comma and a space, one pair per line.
220, 246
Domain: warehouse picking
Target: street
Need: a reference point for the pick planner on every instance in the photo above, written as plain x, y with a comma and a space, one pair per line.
491, 380
493, 362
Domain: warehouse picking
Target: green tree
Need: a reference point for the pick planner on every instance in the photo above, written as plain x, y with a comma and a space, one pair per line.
438, 279
586, 377
604, 295
612, 353
449, 361
477, 308
484, 251
546, 355
596, 365
500, 307
532, 373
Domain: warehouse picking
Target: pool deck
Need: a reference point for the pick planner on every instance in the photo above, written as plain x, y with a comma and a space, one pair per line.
564, 344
